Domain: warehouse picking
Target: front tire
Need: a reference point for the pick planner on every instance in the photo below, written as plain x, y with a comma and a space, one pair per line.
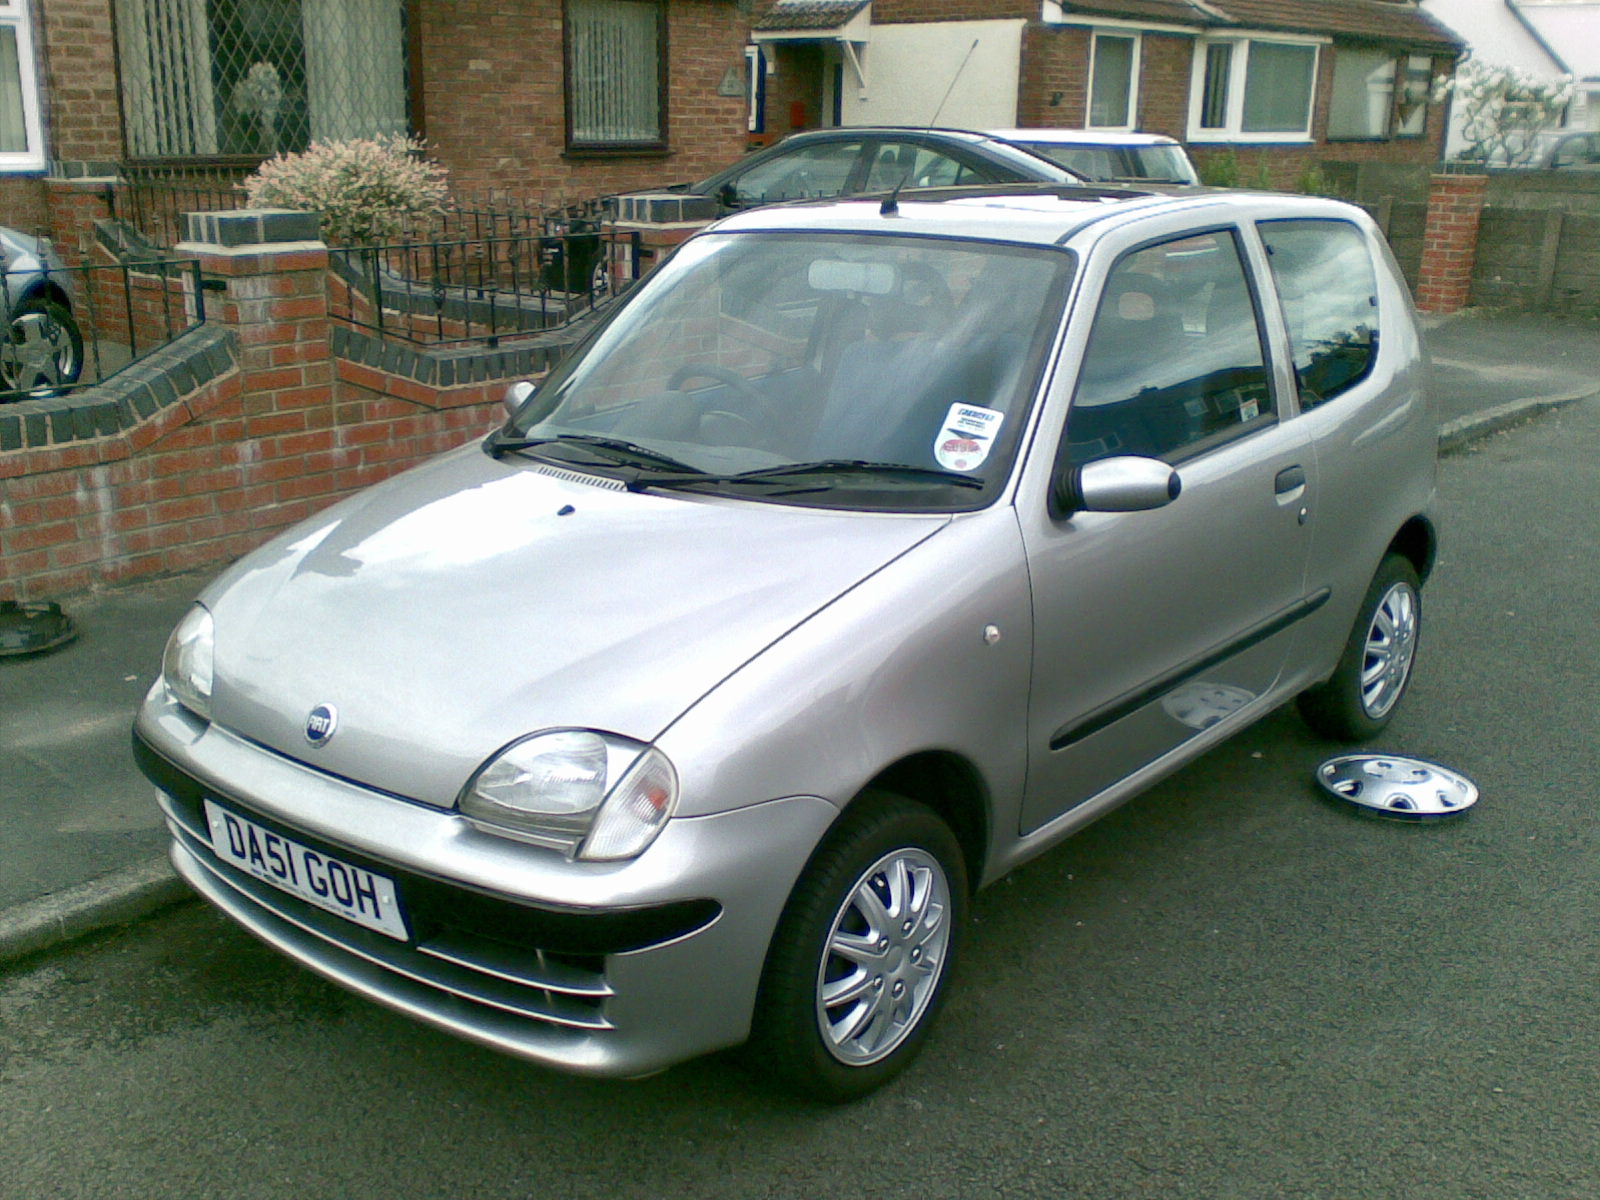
1360, 697
862, 954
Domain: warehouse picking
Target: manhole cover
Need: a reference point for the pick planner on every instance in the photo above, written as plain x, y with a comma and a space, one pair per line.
1407, 788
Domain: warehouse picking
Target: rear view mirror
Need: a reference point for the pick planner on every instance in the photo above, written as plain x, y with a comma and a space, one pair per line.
867, 278
1122, 484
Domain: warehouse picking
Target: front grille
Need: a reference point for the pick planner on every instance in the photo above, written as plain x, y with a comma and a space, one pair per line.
469, 954
565, 990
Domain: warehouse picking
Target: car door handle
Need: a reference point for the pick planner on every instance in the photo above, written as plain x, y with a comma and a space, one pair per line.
1288, 479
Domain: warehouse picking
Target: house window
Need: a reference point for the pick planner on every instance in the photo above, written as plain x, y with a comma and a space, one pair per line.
1416, 89
1252, 90
1113, 81
616, 74
1366, 102
258, 77
21, 139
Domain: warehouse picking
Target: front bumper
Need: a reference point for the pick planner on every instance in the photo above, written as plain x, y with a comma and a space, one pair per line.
609, 969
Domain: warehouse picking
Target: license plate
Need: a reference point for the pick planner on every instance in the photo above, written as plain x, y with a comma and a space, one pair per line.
339, 887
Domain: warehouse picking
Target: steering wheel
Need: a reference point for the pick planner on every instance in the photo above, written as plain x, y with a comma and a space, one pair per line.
752, 422
721, 374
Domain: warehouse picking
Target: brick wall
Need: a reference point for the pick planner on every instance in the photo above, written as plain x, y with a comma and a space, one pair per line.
23, 201
221, 439
495, 109
1054, 80
83, 111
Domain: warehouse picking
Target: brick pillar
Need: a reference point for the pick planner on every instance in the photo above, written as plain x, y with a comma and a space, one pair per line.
274, 296
1450, 242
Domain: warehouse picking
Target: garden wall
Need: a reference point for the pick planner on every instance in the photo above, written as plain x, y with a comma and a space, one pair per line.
1538, 235
233, 432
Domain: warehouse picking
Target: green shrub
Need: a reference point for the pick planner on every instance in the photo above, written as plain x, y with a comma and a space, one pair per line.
365, 189
1220, 170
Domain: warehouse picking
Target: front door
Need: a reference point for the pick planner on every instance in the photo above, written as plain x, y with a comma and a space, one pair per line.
1152, 626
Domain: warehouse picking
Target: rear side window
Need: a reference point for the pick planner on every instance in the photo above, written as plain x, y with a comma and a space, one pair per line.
916, 166
810, 173
1174, 363
1325, 279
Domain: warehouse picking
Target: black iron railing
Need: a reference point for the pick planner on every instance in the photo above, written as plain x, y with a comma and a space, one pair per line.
73, 327
153, 199
482, 289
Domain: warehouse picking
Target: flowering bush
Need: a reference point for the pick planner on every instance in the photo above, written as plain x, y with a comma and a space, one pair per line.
1503, 110
366, 190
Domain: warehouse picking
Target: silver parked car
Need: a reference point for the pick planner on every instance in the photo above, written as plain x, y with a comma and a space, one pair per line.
42, 351
868, 550
1108, 157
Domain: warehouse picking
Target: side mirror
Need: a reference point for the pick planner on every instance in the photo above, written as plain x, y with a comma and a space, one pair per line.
518, 394
1122, 484
728, 196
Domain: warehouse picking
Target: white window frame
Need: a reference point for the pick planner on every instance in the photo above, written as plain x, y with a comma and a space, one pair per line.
1232, 130
1134, 68
18, 15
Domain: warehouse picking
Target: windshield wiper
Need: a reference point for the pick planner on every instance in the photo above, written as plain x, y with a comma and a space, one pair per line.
607, 449
827, 466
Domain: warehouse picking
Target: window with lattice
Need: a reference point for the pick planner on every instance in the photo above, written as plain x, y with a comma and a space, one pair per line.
204, 78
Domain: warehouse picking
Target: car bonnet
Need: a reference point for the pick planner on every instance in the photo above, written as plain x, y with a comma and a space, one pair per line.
471, 602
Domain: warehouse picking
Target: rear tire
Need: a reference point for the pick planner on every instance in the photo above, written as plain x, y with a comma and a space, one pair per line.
1361, 695
43, 350
861, 959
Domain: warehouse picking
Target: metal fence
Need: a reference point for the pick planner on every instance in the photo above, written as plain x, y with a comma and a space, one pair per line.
484, 268
482, 289
73, 327
153, 199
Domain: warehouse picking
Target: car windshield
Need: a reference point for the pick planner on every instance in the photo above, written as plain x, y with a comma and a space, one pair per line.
823, 369
1152, 164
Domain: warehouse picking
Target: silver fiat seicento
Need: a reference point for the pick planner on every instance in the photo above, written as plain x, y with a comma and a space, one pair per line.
867, 550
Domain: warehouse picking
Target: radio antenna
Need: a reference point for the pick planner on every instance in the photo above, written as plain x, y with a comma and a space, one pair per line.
891, 204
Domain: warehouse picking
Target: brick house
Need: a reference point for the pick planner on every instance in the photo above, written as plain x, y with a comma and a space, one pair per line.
549, 99
1279, 84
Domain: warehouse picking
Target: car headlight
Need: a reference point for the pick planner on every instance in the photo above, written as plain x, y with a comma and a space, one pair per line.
187, 663
594, 796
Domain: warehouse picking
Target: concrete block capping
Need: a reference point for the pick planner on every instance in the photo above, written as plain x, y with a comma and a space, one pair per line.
126, 399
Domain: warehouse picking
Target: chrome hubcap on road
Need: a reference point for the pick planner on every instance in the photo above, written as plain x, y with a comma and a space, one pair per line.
884, 956
1408, 788
1391, 645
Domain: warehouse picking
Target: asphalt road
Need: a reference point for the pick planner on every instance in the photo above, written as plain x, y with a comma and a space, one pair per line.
1231, 988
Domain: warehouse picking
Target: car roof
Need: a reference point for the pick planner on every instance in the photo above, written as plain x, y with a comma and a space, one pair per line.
1082, 137
1028, 214
961, 135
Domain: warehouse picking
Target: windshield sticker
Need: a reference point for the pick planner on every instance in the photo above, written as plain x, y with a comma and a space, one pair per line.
966, 437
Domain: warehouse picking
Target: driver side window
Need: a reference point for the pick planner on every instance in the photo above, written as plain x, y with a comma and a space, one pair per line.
1175, 363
